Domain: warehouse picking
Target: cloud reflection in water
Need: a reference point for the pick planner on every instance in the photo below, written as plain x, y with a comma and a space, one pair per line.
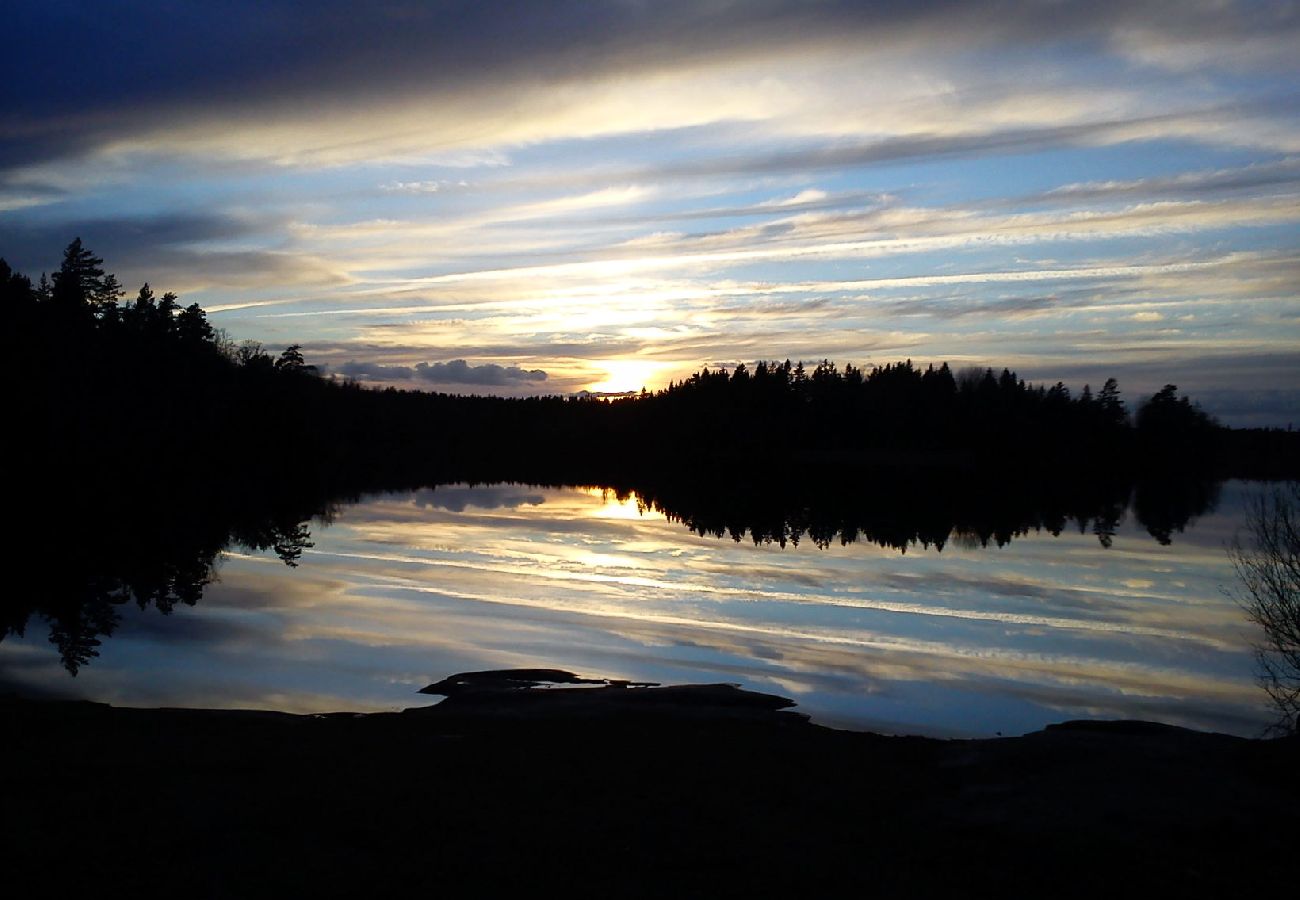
403, 589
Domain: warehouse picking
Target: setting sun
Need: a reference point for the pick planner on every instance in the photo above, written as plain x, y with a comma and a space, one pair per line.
623, 375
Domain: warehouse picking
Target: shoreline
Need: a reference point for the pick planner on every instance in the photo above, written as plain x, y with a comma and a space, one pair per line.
702, 789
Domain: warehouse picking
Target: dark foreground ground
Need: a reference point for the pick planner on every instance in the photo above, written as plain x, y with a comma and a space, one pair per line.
698, 791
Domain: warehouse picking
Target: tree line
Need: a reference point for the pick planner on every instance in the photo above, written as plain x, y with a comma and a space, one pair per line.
110, 390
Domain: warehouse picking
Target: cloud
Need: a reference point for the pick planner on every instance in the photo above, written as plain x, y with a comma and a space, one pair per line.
958, 306
876, 233
118, 238
805, 201
457, 371
1263, 407
262, 80
459, 497
1283, 173
179, 251
977, 140
428, 186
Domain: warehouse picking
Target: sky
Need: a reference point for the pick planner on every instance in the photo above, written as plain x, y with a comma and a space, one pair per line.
546, 197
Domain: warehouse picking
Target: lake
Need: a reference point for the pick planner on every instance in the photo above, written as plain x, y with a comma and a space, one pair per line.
988, 633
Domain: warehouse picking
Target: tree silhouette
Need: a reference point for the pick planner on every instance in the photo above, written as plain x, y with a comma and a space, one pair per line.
81, 281
291, 361
1168, 416
1112, 407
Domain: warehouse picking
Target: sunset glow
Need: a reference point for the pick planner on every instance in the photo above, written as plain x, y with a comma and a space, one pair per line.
624, 375
543, 199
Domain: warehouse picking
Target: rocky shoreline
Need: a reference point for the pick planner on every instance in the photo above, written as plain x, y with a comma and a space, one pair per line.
528, 780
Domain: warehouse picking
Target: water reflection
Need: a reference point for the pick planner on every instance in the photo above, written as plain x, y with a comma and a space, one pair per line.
156, 551
928, 512
1045, 607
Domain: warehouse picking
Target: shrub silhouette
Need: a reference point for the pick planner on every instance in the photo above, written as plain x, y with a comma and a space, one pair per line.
1269, 572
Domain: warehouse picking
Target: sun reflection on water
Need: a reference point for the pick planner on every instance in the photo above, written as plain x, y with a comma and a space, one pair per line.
404, 589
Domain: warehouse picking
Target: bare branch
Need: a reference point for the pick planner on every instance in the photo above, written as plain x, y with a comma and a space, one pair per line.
1268, 572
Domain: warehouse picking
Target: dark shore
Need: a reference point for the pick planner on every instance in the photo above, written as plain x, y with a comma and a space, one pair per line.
627, 790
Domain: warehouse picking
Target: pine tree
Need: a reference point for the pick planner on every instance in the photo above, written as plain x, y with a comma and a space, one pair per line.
82, 283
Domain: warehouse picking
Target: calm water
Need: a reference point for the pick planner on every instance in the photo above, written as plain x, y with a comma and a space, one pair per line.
403, 589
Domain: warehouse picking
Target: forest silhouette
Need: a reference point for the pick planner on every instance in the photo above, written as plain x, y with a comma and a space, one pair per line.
147, 386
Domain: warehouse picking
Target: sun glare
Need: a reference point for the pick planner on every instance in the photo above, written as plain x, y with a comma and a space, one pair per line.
626, 375
611, 507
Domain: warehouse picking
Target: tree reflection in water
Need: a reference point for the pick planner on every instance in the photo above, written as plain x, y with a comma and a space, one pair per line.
929, 512
84, 564
162, 550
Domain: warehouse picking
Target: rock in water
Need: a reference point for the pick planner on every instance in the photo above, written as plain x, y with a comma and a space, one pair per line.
529, 693
504, 680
